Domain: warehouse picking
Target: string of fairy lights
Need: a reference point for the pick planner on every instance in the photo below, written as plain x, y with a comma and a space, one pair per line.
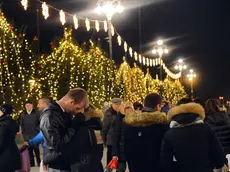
13, 68
96, 24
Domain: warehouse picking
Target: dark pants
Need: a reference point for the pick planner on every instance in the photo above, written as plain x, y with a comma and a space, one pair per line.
34, 149
109, 154
122, 165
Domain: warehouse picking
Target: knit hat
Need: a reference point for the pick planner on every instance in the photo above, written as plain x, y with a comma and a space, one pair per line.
116, 101
152, 100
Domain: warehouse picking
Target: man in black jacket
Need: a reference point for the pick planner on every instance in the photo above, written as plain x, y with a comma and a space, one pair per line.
58, 127
29, 122
111, 129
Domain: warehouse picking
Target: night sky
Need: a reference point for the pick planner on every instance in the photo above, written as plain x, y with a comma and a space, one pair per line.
196, 30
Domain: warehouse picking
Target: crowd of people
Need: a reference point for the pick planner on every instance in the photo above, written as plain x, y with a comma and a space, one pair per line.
149, 137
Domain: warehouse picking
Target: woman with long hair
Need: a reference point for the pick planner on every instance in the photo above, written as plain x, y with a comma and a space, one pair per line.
219, 122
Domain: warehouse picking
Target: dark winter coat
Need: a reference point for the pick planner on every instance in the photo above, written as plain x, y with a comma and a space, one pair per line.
119, 149
9, 153
58, 129
110, 130
190, 145
81, 152
220, 123
143, 138
30, 124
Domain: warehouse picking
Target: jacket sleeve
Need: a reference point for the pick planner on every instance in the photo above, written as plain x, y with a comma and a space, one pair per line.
166, 155
22, 123
3, 136
37, 139
105, 127
217, 153
52, 130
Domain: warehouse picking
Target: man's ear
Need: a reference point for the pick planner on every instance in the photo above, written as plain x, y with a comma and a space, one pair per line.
158, 108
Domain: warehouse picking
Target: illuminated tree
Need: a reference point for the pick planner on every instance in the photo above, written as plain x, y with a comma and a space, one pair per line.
16, 65
124, 80
173, 91
99, 76
59, 72
151, 85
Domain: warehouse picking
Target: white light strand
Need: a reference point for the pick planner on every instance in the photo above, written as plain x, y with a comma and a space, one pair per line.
112, 30
105, 26
62, 17
143, 60
147, 62
125, 47
75, 21
130, 52
24, 4
87, 24
140, 58
151, 62
135, 56
119, 40
97, 26
45, 10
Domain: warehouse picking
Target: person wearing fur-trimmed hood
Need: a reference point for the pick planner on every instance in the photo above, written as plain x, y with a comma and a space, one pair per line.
144, 135
190, 145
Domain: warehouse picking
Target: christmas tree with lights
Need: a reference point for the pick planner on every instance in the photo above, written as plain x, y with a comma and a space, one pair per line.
16, 65
151, 85
60, 71
100, 76
173, 91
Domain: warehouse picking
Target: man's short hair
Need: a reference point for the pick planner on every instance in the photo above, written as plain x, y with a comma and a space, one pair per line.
77, 94
28, 102
152, 100
45, 100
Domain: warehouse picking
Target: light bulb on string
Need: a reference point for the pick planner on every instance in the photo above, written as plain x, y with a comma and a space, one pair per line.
105, 26
87, 24
125, 47
151, 62
62, 17
154, 62
75, 21
140, 58
131, 51
119, 40
112, 30
135, 56
143, 60
147, 61
45, 10
97, 26
24, 4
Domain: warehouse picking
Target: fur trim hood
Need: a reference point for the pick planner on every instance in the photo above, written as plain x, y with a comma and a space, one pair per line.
92, 113
144, 119
192, 108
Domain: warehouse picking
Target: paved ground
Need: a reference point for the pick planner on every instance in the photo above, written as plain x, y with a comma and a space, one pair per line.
36, 169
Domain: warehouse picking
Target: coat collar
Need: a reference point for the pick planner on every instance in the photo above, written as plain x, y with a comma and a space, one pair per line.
144, 119
189, 108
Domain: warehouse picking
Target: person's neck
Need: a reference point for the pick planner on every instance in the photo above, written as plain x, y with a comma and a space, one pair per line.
61, 103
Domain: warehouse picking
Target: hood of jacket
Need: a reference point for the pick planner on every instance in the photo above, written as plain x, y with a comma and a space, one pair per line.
144, 119
189, 110
92, 113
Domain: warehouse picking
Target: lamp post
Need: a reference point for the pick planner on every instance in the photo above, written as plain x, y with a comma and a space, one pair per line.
191, 76
160, 49
109, 8
180, 66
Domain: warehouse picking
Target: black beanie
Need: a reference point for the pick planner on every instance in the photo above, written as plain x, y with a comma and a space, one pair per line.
152, 100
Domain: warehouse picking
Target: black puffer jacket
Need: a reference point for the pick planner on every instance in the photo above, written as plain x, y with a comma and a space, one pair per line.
143, 137
9, 153
190, 145
220, 123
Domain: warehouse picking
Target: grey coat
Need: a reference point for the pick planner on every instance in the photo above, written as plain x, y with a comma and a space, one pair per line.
110, 127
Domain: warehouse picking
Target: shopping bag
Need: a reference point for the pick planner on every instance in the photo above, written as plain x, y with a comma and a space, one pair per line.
112, 166
25, 161
42, 167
